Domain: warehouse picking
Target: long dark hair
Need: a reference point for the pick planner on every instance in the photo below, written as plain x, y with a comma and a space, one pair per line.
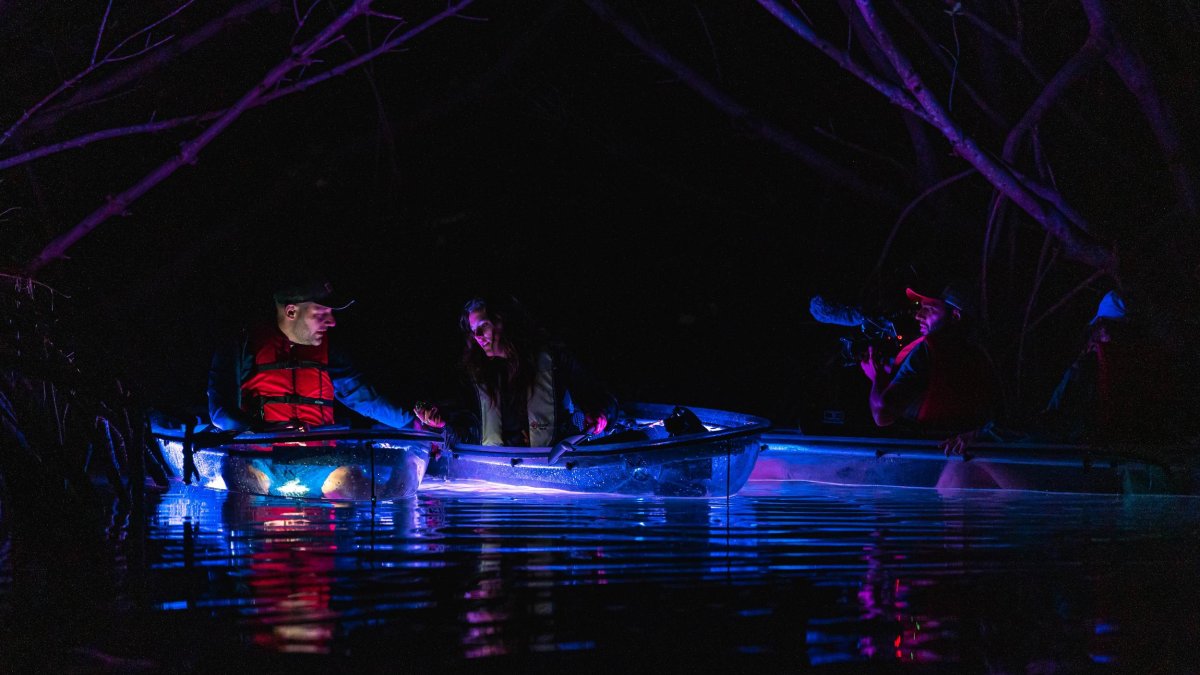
521, 337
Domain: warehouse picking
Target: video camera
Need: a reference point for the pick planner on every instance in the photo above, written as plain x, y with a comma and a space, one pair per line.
877, 333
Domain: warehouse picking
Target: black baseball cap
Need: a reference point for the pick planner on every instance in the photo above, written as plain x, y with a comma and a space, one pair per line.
317, 290
954, 295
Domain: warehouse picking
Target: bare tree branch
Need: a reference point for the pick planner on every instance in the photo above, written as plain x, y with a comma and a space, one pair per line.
190, 150
1095, 276
781, 137
841, 57
1075, 67
936, 50
172, 123
1134, 72
887, 244
918, 132
1010, 45
104, 86
100, 33
999, 175
110, 57
117, 132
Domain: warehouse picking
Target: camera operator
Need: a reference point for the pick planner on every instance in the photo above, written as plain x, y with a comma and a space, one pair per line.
942, 381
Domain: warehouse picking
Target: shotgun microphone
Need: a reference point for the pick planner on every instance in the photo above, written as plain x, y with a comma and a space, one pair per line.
834, 313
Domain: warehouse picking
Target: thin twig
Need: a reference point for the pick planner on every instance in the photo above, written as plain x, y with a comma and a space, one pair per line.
887, 244
1042, 271
711, 46
70, 82
100, 89
1136, 76
957, 54
1084, 284
1075, 68
100, 33
968, 148
866, 152
842, 58
783, 138
936, 49
30, 282
255, 96
1012, 46
989, 237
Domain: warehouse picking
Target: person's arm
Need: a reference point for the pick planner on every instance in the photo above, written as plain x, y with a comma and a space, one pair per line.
355, 392
895, 394
587, 394
225, 390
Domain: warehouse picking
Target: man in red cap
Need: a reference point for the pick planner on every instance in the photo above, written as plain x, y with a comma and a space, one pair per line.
942, 381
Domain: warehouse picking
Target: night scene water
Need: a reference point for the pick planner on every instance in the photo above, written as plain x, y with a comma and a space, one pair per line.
786, 575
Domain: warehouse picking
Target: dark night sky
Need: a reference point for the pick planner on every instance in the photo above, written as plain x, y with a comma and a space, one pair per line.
537, 153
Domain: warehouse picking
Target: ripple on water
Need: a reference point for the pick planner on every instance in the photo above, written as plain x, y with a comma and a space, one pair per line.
785, 574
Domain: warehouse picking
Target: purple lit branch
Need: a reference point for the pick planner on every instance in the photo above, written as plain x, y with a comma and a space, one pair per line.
1010, 45
301, 55
110, 57
144, 66
174, 122
934, 49
1074, 69
117, 132
781, 137
1134, 72
1077, 247
893, 93
887, 244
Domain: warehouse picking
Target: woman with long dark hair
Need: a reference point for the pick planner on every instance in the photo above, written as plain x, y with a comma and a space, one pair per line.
521, 387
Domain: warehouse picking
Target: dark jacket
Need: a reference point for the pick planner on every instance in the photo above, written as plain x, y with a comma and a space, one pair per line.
945, 382
576, 393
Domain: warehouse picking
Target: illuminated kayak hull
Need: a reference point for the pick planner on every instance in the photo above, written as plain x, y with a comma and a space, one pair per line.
713, 463
337, 464
1005, 466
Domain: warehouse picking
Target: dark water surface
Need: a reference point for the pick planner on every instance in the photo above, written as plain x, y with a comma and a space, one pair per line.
784, 576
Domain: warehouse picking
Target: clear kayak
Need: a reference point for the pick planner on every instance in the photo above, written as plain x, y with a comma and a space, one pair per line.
325, 463
791, 455
713, 461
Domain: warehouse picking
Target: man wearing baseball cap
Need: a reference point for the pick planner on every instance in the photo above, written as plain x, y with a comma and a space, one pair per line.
283, 374
942, 381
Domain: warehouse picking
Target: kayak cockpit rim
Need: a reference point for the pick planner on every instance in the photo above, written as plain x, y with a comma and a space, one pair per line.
732, 426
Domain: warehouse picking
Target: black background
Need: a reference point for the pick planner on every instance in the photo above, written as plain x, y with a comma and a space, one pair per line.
536, 152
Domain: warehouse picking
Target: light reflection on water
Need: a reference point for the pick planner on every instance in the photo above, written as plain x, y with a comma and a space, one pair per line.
798, 573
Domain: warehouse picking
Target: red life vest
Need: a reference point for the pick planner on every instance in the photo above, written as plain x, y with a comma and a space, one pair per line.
289, 382
962, 388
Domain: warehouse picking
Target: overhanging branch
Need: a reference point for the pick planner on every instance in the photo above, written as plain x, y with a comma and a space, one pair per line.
302, 54
777, 135
1076, 245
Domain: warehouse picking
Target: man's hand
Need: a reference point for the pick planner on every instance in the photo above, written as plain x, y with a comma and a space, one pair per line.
594, 423
272, 427
429, 416
872, 365
958, 445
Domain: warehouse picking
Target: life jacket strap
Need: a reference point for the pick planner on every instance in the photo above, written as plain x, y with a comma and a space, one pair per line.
290, 365
294, 399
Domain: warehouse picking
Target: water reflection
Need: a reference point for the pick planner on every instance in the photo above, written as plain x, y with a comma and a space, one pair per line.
785, 575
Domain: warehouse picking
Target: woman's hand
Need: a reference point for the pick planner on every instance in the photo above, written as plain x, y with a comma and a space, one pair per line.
428, 415
594, 423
